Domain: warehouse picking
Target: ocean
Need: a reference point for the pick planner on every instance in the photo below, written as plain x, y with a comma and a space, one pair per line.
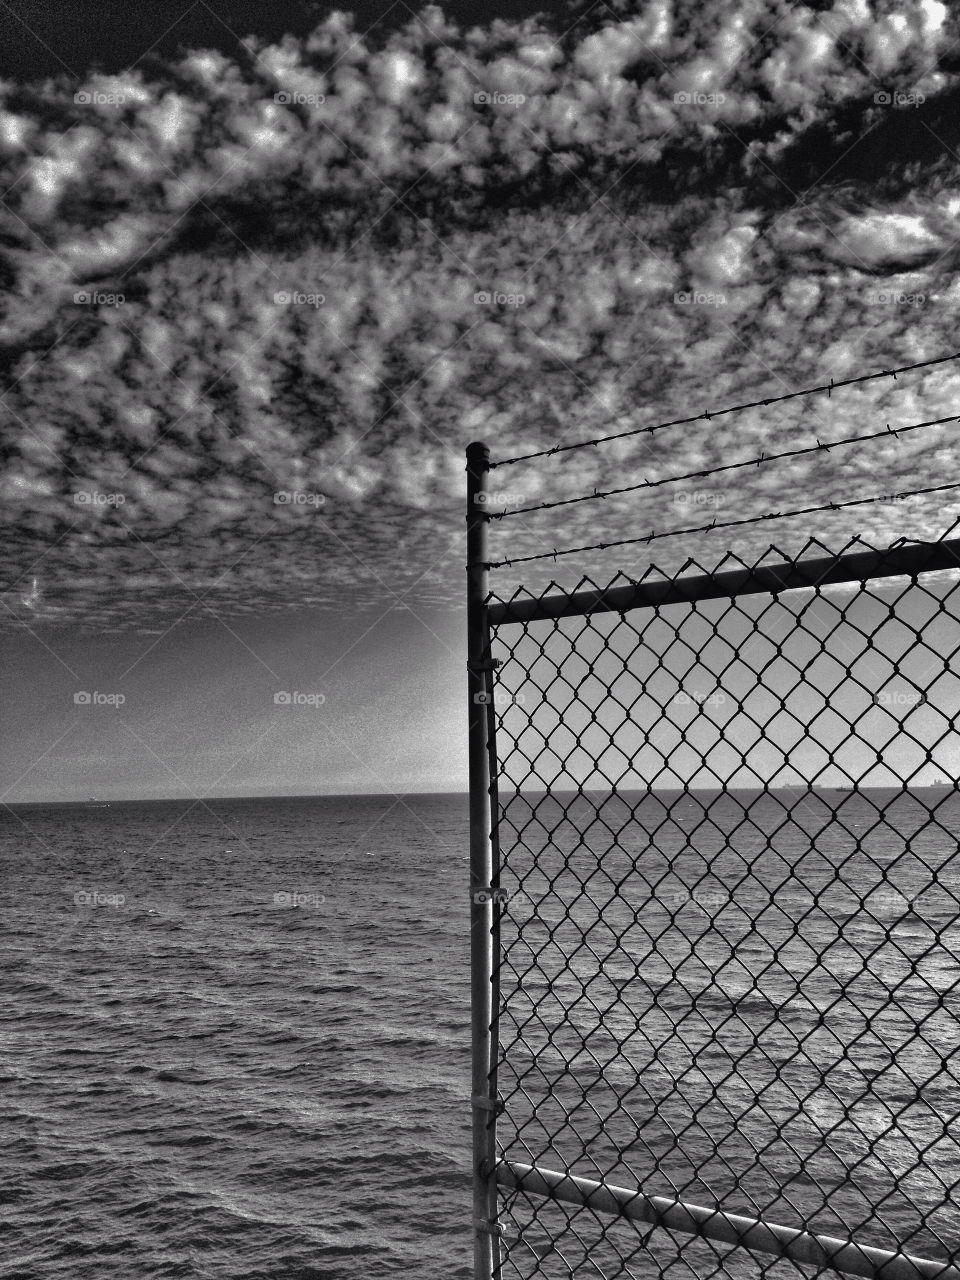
200, 1082
234, 1035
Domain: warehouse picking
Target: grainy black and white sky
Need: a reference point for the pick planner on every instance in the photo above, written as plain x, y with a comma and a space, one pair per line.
240, 258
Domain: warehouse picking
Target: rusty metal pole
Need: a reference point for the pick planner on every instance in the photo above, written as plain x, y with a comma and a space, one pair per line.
486, 1248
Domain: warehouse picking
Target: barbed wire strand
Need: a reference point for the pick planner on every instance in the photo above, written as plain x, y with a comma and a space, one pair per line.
728, 466
715, 524
708, 414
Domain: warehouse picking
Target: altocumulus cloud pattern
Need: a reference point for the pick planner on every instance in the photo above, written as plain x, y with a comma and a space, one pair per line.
255, 307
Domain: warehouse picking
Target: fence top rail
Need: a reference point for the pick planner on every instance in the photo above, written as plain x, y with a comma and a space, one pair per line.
857, 566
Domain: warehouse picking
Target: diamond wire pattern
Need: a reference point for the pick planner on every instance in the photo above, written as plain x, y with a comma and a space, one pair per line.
747, 999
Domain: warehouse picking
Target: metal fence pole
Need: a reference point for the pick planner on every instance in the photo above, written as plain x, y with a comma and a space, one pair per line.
486, 1251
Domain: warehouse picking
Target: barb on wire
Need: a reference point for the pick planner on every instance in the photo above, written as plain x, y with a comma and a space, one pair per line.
708, 415
705, 528
727, 466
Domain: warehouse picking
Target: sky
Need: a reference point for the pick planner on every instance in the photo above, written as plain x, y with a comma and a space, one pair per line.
265, 278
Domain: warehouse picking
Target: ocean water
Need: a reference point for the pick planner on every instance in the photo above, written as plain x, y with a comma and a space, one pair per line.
200, 1082
234, 1036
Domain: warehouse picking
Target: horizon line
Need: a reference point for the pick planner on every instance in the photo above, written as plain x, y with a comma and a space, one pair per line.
572, 791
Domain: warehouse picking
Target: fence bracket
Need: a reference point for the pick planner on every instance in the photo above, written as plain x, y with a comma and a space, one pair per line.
482, 1224
479, 665
489, 1104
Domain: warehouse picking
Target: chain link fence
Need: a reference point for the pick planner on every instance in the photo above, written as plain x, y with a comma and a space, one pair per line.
725, 921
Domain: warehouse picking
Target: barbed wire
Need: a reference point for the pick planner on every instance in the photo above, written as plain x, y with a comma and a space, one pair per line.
714, 524
728, 466
708, 415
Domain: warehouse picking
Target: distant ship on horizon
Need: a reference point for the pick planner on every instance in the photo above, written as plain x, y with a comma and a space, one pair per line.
94, 803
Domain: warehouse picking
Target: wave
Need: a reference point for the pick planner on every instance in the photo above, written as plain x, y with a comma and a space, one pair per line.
170, 1076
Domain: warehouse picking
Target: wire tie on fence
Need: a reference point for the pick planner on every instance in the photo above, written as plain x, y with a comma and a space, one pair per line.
488, 1224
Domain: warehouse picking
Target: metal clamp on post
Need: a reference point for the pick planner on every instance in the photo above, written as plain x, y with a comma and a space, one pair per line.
490, 665
490, 1104
494, 1228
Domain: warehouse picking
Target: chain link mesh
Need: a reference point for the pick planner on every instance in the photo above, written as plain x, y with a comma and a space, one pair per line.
728, 949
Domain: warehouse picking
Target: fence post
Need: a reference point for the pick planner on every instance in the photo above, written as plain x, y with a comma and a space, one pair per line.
486, 1249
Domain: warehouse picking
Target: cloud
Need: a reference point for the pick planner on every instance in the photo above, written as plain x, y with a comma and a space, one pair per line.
879, 239
320, 268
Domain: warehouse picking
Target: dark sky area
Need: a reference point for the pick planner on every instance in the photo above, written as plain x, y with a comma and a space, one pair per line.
39, 38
